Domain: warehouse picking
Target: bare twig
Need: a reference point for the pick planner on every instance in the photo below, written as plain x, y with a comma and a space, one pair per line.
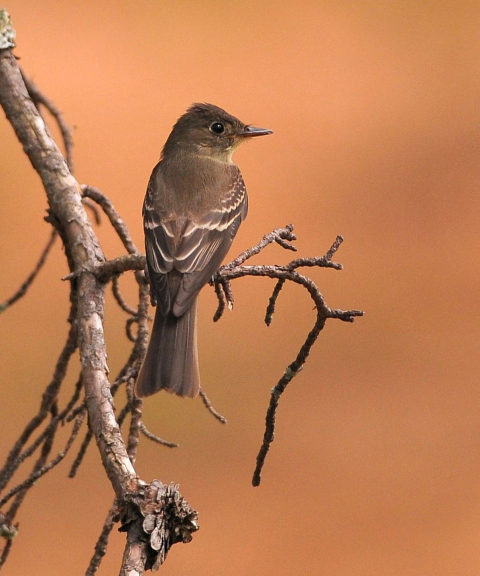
31, 277
81, 454
128, 329
120, 299
39, 98
210, 408
281, 236
115, 219
273, 300
76, 412
40, 463
144, 430
102, 542
48, 398
36, 474
282, 274
94, 208
50, 429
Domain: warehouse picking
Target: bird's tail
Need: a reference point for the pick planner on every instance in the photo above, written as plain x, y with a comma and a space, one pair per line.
171, 362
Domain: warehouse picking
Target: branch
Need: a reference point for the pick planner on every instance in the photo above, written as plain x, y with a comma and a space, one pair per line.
63, 193
120, 299
84, 256
115, 220
49, 397
39, 98
235, 269
47, 467
105, 270
282, 236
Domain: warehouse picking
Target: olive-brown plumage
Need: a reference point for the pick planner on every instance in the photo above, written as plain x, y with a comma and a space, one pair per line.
195, 202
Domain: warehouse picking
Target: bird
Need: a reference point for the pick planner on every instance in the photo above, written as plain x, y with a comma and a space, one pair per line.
195, 201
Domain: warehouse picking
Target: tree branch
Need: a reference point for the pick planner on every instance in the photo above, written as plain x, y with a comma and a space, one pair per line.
63, 193
84, 255
235, 269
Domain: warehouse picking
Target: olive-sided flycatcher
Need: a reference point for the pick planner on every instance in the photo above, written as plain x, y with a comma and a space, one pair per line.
195, 202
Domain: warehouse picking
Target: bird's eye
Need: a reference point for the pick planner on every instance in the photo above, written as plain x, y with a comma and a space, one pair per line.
217, 128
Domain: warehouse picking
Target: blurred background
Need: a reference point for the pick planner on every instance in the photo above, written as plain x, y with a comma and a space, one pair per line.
375, 468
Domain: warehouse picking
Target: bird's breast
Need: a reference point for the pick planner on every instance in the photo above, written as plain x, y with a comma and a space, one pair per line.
190, 186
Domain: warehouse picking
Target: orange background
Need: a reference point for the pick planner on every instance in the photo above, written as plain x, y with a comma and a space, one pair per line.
375, 468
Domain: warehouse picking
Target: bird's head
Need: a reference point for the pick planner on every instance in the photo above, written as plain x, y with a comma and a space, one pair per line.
207, 130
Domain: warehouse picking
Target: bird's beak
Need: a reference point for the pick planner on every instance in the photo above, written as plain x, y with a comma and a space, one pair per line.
254, 131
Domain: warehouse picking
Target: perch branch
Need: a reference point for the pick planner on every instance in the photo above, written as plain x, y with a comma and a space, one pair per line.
64, 198
282, 236
84, 256
235, 269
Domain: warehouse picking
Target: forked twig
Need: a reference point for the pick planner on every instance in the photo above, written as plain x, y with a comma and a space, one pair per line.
49, 397
44, 469
236, 269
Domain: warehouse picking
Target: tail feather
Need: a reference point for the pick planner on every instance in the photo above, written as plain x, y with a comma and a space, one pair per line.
171, 362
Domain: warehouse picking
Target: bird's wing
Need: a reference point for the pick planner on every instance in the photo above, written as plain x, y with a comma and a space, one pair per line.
194, 247
159, 247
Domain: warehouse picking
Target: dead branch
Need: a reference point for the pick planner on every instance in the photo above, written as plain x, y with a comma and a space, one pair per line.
49, 397
154, 438
120, 299
39, 472
289, 272
84, 254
